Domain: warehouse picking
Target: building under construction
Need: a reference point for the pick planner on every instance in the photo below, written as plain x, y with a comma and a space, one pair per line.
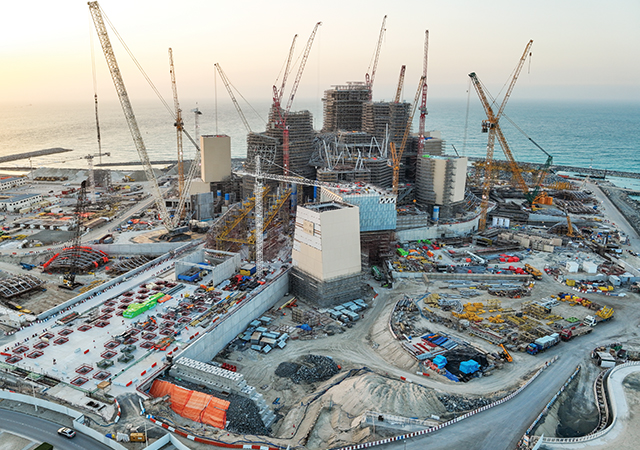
343, 107
441, 182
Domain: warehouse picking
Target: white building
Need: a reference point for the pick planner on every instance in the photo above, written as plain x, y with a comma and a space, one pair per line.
215, 151
18, 202
11, 182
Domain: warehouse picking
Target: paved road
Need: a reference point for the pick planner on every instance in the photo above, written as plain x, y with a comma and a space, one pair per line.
41, 430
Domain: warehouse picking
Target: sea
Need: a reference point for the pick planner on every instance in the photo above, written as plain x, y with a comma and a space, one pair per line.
598, 134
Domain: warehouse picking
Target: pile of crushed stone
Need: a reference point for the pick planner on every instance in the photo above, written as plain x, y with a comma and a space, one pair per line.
312, 368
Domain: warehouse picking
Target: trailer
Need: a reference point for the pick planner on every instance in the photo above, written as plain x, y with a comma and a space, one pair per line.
543, 343
567, 334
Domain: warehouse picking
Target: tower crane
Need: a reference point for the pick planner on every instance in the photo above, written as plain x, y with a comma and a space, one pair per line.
179, 124
396, 155
492, 126
281, 118
227, 85
400, 84
169, 222
423, 104
277, 94
371, 75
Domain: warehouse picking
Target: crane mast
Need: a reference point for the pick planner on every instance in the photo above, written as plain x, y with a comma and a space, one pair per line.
396, 155
423, 104
400, 84
121, 90
179, 124
369, 78
492, 126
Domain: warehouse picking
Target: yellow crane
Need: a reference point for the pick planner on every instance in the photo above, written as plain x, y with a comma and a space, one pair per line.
396, 154
492, 126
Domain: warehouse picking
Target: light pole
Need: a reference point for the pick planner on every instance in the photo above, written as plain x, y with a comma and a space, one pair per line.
33, 390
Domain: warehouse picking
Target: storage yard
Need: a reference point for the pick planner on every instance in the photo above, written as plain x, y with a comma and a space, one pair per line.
338, 287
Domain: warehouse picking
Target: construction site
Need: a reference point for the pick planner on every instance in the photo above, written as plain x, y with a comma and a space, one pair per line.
344, 287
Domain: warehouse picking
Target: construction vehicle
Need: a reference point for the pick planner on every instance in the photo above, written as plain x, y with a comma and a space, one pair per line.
566, 334
290, 304
535, 273
491, 125
27, 266
604, 314
543, 343
505, 354
170, 222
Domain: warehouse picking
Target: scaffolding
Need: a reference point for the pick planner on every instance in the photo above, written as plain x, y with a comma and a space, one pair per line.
343, 107
386, 118
326, 293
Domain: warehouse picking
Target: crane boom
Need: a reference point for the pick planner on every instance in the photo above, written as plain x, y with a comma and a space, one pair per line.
227, 85
179, 124
423, 104
369, 78
170, 223
400, 83
285, 75
396, 155
303, 63
121, 90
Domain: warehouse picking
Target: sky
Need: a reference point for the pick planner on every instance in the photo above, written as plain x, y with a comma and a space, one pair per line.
582, 50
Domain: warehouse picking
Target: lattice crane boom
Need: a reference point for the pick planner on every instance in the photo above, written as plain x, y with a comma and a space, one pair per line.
303, 63
370, 76
400, 84
130, 117
227, 85
278, 93
396, 154
179, 124
423, 104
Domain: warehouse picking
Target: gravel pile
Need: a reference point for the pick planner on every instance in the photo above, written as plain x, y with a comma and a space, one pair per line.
456, 403
313, 368
244, 417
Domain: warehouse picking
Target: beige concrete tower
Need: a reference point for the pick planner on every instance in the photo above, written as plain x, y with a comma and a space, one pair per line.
215, 151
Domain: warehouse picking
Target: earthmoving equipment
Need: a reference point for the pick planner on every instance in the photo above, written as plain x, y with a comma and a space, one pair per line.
491, 125
505, 354
171, 223
566, 334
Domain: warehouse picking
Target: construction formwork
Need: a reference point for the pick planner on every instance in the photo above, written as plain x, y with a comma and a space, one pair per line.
348, 175
328, 293
18, 285
343, 107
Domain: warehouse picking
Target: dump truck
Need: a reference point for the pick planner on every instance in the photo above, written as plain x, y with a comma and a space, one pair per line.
566, 334
543, 343
535, 273
604, 314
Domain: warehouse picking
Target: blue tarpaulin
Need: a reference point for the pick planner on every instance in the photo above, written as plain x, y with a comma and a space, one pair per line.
470, 366
440, 361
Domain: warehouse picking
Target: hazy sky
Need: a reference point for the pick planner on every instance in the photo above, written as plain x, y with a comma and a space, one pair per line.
582, 49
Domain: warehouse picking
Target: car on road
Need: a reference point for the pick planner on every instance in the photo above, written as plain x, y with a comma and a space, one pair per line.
66, 432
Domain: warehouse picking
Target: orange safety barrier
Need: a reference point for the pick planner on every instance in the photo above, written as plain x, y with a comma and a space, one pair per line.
193, 405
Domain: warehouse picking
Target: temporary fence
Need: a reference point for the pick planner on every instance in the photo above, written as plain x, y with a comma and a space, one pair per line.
193, 405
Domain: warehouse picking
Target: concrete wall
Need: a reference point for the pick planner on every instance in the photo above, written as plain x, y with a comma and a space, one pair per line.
438, 231
218, 273
211, 343
151, 249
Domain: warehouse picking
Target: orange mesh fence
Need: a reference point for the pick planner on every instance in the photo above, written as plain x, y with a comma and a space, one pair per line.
193, 405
